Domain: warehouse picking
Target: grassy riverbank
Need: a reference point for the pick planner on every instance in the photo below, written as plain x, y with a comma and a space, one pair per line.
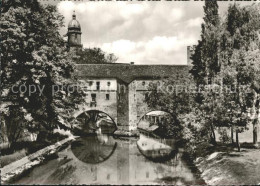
25, 148
230, 167
16, 169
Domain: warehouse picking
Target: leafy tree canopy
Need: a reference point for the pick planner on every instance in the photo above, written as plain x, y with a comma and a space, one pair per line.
33, 54
94, 56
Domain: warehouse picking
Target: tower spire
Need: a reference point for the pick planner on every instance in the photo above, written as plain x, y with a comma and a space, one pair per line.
74, 33
74, 15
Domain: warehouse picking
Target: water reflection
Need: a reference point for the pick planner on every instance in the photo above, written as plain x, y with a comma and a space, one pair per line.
124, 166
157, 149
154, 142
94, 148
105, 160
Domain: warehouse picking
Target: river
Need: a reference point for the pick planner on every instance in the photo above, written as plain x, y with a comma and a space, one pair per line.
106, 160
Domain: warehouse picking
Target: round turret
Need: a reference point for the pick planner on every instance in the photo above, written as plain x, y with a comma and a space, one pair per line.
74, 23
74, 33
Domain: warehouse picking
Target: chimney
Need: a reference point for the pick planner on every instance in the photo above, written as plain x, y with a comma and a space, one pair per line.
132, 63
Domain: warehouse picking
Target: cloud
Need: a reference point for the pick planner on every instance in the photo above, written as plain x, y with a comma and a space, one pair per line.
196, 22
132, 10
111, 21
144, 32
158, 50
120, 47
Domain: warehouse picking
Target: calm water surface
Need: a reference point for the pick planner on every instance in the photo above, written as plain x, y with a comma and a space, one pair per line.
105, 160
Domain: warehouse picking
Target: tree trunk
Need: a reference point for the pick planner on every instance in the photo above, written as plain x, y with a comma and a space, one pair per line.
256, 121
232, 135
213, 134
255, 141
237, 141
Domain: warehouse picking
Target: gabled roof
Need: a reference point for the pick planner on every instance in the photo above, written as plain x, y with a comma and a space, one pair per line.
127, 72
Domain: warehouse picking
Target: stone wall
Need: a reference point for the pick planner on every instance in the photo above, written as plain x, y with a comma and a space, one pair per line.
122, 106
105, 97
137, 106
126, 104
132, 105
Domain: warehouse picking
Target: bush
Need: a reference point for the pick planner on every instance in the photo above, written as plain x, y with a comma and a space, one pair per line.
224, 136
7, 159
50, 137
204, 149
18, 146
63, 132
24, 148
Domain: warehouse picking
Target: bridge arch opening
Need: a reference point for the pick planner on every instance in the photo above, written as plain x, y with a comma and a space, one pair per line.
94, 122
155, 120
96, 143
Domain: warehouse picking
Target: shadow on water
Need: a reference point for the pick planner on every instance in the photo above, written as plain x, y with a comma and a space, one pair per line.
174, 180
94, 148
195, 171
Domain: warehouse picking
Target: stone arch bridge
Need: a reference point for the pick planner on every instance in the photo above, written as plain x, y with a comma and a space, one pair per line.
119, 90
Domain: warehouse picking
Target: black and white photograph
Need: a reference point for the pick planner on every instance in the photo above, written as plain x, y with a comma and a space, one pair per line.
130, 92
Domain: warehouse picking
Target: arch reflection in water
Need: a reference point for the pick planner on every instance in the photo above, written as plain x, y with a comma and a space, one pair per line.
155, 143
94, 148
93, 122
96, 143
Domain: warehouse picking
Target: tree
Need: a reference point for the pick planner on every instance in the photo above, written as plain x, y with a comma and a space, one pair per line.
205, 59
240, 47
94, 56
230, 54
233, 100
34, 57
15, 125
195, 131
171, 95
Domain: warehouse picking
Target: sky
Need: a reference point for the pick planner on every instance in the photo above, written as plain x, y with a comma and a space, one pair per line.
141, 32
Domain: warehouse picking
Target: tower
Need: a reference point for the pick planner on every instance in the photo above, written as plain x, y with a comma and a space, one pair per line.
74, 33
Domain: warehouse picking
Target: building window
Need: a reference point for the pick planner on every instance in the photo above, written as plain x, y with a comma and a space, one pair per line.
90, 83
93, 97
108, 83
107, 96
93, 102
85, 88
98, 85
143, 83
